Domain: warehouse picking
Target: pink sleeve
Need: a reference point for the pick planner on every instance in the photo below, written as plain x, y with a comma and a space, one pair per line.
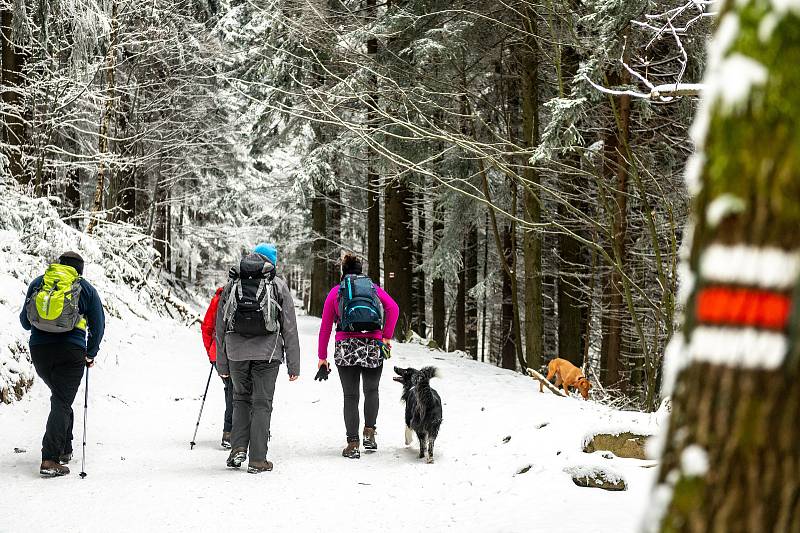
329, 312
391, 312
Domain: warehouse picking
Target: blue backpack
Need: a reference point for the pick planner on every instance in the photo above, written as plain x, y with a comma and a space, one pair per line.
360, 309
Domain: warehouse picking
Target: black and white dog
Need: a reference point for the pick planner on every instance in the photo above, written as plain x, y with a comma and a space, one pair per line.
423, 407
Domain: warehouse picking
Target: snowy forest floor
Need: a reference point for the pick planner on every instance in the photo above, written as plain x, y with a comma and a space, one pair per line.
145, 394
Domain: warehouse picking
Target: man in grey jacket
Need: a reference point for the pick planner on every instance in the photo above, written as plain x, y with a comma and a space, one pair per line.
256, 331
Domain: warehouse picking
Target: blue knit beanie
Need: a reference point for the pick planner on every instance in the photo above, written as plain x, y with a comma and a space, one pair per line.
269, 251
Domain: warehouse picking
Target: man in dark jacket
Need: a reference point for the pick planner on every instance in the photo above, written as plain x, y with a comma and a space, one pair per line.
252, 360
59, 359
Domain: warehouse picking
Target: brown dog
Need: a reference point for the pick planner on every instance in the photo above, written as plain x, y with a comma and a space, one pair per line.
567, 375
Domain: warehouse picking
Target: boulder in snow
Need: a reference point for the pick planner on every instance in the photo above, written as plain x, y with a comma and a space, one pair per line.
595, 477
625, 444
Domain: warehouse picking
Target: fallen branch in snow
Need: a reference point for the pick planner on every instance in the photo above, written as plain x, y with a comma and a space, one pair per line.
190, 316
541, 379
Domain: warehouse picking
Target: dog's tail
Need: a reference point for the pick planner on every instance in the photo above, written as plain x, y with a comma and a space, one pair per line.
430, 372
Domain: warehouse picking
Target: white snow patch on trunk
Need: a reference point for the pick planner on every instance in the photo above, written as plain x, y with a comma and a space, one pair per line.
694, 461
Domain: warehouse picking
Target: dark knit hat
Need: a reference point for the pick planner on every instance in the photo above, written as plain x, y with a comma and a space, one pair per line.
351, 264
72, 259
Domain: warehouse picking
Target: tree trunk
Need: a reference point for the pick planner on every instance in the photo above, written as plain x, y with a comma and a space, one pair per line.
13, 127
334, 216
397, 250
319, 260
125, 178
158, 219
572, 311
508, 347
421, 325
616, 170
461, 310
532, 240
731, 458
438, 307
103, 167
471, 280
373, 180
485, 284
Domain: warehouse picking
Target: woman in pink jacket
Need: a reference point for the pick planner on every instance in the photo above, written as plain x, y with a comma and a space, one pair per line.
365, 316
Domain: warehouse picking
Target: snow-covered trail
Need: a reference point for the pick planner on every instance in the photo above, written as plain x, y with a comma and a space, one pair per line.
144, 398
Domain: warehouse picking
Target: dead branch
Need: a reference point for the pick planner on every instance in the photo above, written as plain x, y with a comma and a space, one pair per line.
541, 379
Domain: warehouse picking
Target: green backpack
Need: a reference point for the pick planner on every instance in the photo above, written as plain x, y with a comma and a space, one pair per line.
53, 307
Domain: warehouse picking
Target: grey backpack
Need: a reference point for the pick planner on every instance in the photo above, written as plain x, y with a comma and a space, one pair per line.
252, 308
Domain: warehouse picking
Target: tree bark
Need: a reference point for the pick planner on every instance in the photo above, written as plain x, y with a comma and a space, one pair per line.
397, 250
616, 170
508, 347
373, 180
438, 307
731, 458
319, 262
485, 285
572, 310
334, 216
532, 241
421, 325
13, 127
471, 303
461, 310
104, 167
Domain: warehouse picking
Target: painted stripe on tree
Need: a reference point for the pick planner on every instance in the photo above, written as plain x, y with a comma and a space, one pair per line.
746, 347
739, 306
768, 268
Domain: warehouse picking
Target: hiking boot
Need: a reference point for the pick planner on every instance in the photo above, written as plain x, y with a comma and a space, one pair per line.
259, 466
352, 452
370, 445
53, 469
237, 457
226, 440
65, 458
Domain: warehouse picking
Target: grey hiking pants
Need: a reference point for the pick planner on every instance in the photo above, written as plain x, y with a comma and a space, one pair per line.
253, 389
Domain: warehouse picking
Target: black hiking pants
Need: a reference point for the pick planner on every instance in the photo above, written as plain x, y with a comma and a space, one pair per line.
61, 367
228, 422
350, 377
253, 389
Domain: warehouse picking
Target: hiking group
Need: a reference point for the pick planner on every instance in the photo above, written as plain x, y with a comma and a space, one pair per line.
249, 330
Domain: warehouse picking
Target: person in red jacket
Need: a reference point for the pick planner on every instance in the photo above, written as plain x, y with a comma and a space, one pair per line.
209, 341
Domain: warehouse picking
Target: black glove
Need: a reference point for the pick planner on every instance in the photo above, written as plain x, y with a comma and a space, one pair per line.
322, 373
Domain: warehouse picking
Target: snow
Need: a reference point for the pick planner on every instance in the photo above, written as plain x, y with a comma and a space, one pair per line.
694, 461
784, 7
724, 205
145, 395
734, 80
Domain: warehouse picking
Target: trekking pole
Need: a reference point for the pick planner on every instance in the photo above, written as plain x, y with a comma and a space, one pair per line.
192, 444
85, 411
